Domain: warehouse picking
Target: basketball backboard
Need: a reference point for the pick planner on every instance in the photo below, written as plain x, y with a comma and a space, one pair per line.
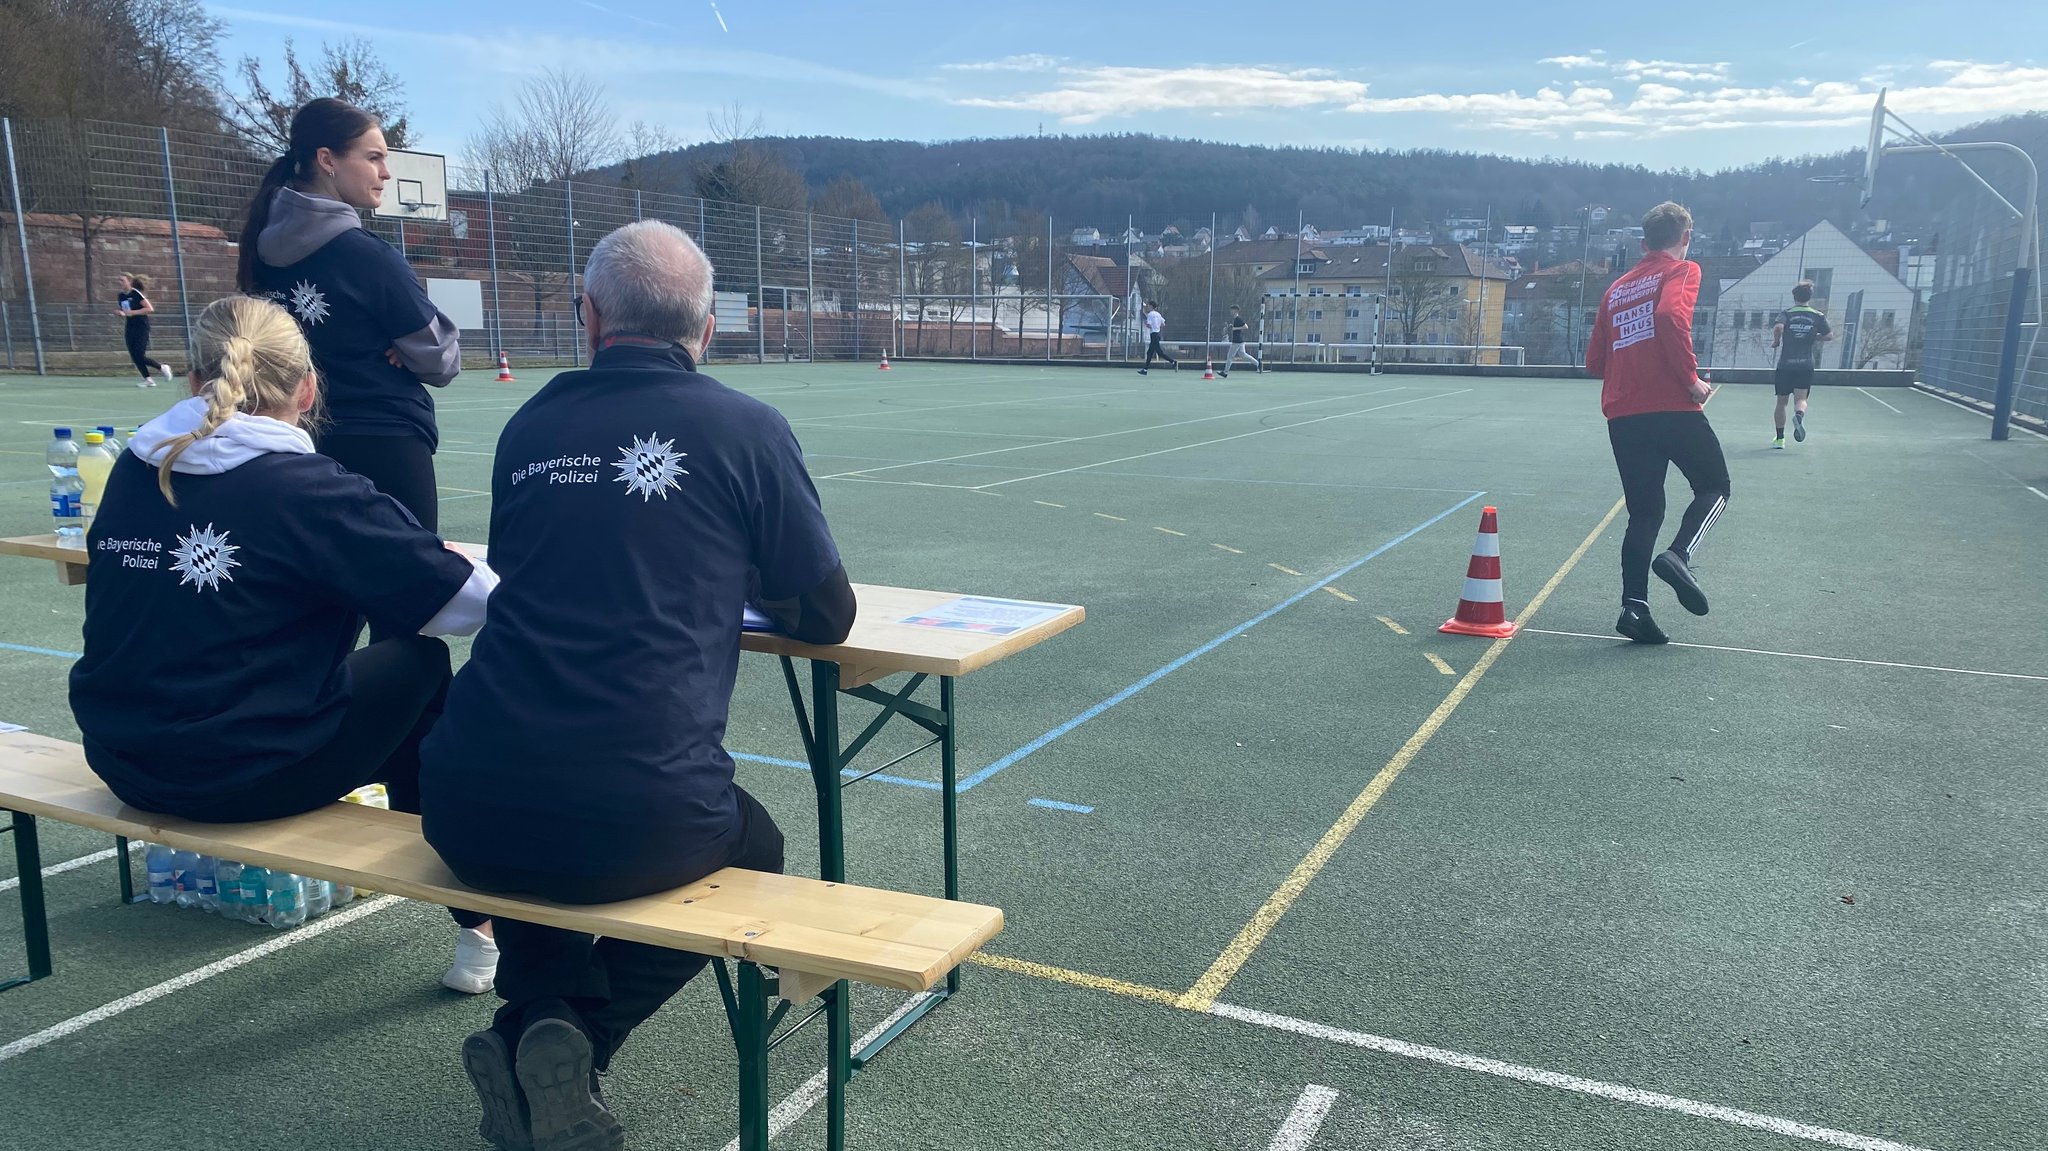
1873, 151
417, 189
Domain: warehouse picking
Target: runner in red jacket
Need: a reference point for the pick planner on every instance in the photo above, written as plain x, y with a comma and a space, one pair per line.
1653, 399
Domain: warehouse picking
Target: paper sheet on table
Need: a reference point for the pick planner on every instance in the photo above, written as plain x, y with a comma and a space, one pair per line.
987, 616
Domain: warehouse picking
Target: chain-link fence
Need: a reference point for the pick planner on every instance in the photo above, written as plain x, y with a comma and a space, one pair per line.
1971, 292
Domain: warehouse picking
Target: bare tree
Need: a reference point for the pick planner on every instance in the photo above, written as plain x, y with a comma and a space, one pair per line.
1876, 342
744, 172
349, 70
645, 144
151, 62
1422, 296
560, 125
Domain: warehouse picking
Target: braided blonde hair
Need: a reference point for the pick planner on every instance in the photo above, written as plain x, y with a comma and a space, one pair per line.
252, 356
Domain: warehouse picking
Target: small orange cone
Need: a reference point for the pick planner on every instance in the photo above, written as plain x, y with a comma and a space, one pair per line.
504, 369
885, 361
1481, 610
1209, 370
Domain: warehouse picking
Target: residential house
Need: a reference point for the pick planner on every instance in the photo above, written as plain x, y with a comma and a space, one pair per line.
1466, 229
1087, 237
1439, 294
1870, 308
1121, 287
1519, 238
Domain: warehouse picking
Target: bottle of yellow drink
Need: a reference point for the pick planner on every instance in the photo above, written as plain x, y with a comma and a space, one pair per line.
95, 462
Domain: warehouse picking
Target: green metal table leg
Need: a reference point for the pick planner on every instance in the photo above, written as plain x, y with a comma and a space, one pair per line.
750, 1034
949, 792
35, 922
825, 765
838, 1064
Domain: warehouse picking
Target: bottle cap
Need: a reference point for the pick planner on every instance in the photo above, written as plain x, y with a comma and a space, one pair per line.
63, 433
107, 430
95, 438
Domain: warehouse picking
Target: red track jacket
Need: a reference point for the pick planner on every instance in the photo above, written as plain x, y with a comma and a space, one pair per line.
1642, 340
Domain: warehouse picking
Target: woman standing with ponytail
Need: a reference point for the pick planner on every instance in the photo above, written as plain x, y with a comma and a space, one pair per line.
232, 568
375, 335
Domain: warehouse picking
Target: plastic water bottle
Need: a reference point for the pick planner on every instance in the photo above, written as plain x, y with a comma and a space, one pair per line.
156, 862
255, 897
209, 883
115, 443
66, 517
95, 464
185, 877
319, 897
287, 900
344, 895
227, 878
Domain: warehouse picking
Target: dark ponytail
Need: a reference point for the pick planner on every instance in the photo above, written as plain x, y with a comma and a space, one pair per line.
324, 123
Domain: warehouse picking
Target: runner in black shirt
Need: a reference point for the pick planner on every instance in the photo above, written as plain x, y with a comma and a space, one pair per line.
136, 309
1238, 328
1800, 332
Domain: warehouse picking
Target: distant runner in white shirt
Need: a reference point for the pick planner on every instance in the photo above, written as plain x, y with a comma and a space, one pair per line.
1153, 323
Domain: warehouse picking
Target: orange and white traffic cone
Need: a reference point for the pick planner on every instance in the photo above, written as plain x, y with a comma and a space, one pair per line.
1209, 370
504, 369
1481, 610
885, 361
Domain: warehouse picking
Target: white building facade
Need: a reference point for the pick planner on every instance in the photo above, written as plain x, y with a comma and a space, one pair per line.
1869, 308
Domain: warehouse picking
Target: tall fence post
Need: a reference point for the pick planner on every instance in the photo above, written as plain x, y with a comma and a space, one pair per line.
973, 282
163, 136
638, 215
902, 287
761, 293
497, 300
1209, 323
28, 271
1048, 286
569, 223
856, 292
810, 290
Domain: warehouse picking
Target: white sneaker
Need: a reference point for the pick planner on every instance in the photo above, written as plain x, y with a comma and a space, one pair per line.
167, 373
475, 969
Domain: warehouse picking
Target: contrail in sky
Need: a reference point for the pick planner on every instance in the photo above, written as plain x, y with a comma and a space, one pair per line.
721, 17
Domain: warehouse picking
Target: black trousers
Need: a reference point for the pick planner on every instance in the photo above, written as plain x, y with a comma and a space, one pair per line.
1152, 349
605, 987
397, 688
1644, 448
401, 467
137, 338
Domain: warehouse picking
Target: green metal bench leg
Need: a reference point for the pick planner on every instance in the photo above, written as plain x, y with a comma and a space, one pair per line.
838, 1063
750, 1033
949, 792
35, 922
121, 861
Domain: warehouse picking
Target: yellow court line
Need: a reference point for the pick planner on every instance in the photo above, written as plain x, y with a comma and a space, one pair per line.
1077, 978
1338, 594
1048, 503
1107, 516
1225, 547
1209, 987
1168, 531
1277, 567
1439, 662
1398, 629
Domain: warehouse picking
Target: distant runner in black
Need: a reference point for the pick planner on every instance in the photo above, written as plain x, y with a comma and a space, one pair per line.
1801, 331
1238, 328
136, 309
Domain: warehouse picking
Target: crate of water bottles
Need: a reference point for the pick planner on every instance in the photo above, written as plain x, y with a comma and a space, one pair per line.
244, 891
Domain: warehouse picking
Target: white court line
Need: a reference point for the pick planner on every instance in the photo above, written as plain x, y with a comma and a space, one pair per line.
956, 407
800, 1101
2015, 425
1803, 655
1299, 1132
71, 865
1225, 439
1562, 1082
1867, 393
2037, 491
930, 432
148, 995
1121, 432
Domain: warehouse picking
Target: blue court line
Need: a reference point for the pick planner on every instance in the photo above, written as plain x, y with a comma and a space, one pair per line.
920, 784
43, 650
1014, 757
1056, 805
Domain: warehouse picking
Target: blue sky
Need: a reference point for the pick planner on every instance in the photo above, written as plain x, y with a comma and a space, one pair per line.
1744, 82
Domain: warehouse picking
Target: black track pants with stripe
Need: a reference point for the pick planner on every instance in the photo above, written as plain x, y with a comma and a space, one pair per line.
1644, 448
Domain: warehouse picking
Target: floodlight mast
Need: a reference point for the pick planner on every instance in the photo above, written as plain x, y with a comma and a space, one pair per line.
1920, 144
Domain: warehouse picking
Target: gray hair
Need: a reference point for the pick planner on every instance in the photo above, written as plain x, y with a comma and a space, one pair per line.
650, 277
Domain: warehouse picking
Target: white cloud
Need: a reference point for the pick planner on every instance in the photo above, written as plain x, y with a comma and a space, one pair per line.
1592, 61
1086, 95
1949, 90
1029, 62
1671, 70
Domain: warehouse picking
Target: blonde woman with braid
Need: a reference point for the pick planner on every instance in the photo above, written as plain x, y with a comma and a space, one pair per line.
232, 568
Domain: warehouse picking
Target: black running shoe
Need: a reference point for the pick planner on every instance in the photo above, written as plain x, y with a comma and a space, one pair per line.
1799, 427
489, 1064
1636, 624
1670, 567
553, 1068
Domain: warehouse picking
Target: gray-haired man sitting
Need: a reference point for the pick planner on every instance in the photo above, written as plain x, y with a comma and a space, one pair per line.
638, 506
